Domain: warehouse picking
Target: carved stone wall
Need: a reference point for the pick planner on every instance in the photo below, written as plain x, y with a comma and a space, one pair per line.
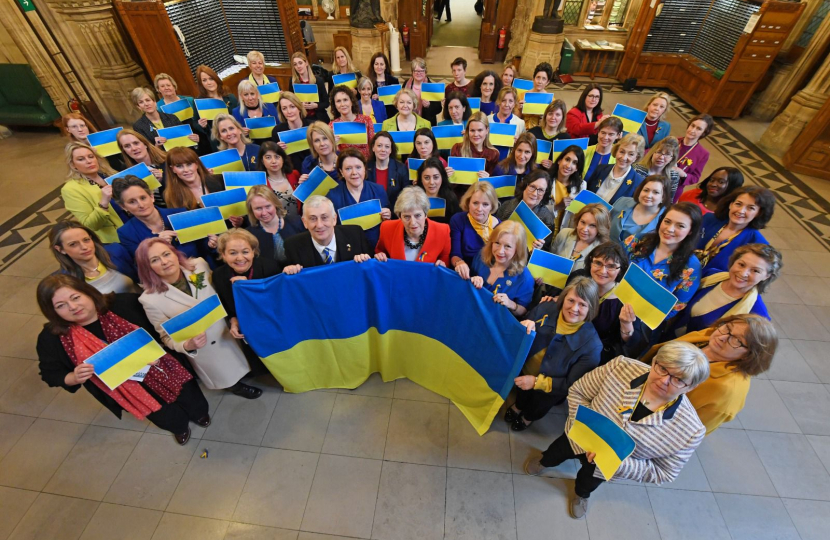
541, 48
365, 43
526, 11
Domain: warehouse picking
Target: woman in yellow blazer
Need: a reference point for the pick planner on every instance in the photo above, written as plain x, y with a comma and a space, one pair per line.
738, 347
406, 120
87, 195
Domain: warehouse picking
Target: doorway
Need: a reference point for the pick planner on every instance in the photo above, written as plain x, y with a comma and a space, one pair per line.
464, 29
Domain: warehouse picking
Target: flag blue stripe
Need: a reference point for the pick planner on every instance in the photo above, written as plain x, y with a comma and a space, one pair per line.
651, 291
503, 129
224, 198
413, 164
194, 218
589, 197
448, 132
269, 88
502, 181
532, 221
244, 178
432, 87
551, 261
120, 349
103, 137
217, 159
466, 164
629, 113
389, 90
293, 135
559, 145
175, 132
402, 136
192, 315
176, 106
348, 128
607, 430
263, 122
305, 88
475, 102
522, 84
537, 97
344, 78
207, 104
543, 147
141, 170
366, 208
436, 203
316, 177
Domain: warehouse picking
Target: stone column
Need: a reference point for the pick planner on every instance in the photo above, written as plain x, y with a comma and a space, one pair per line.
781, 133
806, 16
365, 43
526, 11
541, 48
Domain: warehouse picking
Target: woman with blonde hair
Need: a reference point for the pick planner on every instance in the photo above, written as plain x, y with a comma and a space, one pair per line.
406, 118
167, 89
655, 128
661, 159
367, 105
256, 63
476, 143
506, 101
153, 119
501, 268
87, 195
301, 73
230, 134
323, 151
620, 179
291, 115
341, 65
251, 104
135, 149
427, 109
471, 228
270, 223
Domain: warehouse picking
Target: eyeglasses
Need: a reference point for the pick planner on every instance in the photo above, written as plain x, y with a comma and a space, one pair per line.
677, 382
608, 267
664, 154
419, 71
540, 191
733, 340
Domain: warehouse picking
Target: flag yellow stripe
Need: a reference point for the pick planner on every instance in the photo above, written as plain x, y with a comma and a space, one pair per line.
437, 212
261, 133
606, 459
387, 100
210, 114
464, 177
217, 314
235, 209
296, 146
271, 98
405, 148
108, 149
534, 108
517, 218
550, 277
432, 96
233, 166
630, 126
501, 140
178, 142
447, 143
645, 311
309, 98
200, 231
413, 174
365, 222
354, 138
131, 364
184, 114
152, 182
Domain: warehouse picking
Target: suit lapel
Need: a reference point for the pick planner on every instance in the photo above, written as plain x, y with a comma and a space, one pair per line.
178, 296
345, 251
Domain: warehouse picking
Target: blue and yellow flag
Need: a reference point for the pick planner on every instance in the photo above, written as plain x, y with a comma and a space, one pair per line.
534, 227
631, 118
365, 214
209, 107
522, 86
244, 179
475, 104
339, 347
386, 94
351, 132
536, 102
466, 169
437, 207
195, 320
181, 109
230, 202
307, 93
377, 127
123, 358
652, 303
503, 134
317, 183
586, 197
505, 186
595, 433
404, 141
413, 165
553, 269
345, 79
433, 91
543, 150
177, 137
197, 224
447, 136
223, 161
270, 92
142, 171
261, 128
559, 146
104, 142
296, 140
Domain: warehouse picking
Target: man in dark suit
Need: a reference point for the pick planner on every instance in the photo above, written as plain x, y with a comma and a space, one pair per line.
325, 242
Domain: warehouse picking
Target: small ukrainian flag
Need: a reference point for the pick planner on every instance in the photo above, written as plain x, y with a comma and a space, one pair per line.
104, 142
244, 179
296, 140
475, 104
386, 94
345, 79
413, 165
437, 207
447, 136
553, 269
377, 127
404, 141
317, 183
261, 128
433, 91
123, 358
195, 320
142, 171
197, 224
595, 433
503, 134
365, 214
351, 132
505, 186
466, 169
270, 92
230, 202
559, 146
522, 86
543, 150
631, 118
536, 102
181, 109
223, 161
209, 107
586, 197
307, 93
534, 227
651, 301
177, 136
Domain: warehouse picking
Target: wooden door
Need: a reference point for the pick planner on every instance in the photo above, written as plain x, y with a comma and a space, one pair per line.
498, 14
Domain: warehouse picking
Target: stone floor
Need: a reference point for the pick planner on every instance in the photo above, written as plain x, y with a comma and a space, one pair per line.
393, 460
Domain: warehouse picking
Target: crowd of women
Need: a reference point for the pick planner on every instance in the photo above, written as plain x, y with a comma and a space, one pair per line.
703, 244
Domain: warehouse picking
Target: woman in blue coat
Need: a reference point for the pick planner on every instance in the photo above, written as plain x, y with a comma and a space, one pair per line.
251, 104
383, 167
737, 221
620, 179
566, 347
372, 108
654, 129
634, 217
471, 228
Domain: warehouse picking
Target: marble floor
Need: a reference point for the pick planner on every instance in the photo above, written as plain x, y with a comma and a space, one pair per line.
393, 460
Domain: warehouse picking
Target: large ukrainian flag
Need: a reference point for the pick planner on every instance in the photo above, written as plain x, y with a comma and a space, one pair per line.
197, 224
594, 432
447, 136
317, 183
338, 340
553, 269
105, 142
195, 320
120, 360
181, 109
466, 169
365, 214
223, 161
142, 171
177, 136
209, 107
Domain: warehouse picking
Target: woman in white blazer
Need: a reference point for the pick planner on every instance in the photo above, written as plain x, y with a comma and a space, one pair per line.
173, 284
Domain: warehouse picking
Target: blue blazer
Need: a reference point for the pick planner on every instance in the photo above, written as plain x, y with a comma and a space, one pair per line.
627, 188
710, 227
663, 129
123, 260
466, 243
398, 178
341, 198
134, 231
379, 110
567, 357
620, 212
310, 162
241, 112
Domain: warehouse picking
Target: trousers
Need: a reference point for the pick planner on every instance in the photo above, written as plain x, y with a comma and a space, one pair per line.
560, 451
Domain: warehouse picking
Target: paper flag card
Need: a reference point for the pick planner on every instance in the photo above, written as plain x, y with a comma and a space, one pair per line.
244, 179
317, 183
413, 165
270, 92
346, 79
177, 136
652, 303
536, 102
553, 269
559, 145
433, 91
210, 107
447, 136
351, 132
543, 150
475, 104
104, 142
437, 207
181, 109
586, 197
230, 202
121, 359
307, 93
295, 139
534, 227
142, 171
631, 118
195, 320
505, 186
404, 141
386, 94
595, 433
197, 224
261, 128
223, 161
522, 86
503, 134
365, 214
466, 169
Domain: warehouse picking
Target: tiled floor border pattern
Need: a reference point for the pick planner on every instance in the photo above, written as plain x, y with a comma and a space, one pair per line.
21, 233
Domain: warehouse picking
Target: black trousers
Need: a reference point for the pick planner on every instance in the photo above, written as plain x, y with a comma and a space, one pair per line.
535, 404
439, 9
190, 406
560, 451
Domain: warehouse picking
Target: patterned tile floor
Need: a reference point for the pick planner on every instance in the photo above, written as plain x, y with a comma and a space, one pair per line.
393, 460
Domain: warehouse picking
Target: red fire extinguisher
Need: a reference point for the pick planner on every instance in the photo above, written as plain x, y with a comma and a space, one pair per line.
405, 35
502, 38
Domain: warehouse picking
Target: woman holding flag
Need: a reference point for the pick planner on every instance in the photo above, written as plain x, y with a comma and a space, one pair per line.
291, 116
301, 73
230, 134
256, 62
167, 88
471, 228
367, 105
553, 127
521, 160
342, 65
347, 109
323, 154
566, 172
270, 223
77, 127
81, 322
433, 179
476, 144
152, 119
380, 74
487, 86
413, 236
425, 146
251, 104
592, 228
583, 120
135, 149
211, 86
188, 180
542, 75
534, 190
280, 175
610, 182
504, 115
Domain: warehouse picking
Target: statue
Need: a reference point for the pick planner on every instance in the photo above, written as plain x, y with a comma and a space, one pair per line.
550, 22
365, 13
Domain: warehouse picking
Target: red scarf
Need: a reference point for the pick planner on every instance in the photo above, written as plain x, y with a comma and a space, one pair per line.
165, 378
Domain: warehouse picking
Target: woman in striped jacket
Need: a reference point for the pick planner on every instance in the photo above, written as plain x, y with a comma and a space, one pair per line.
649, 404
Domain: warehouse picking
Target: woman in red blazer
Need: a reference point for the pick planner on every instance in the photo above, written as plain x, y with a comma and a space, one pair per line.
414, 237
582, 120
